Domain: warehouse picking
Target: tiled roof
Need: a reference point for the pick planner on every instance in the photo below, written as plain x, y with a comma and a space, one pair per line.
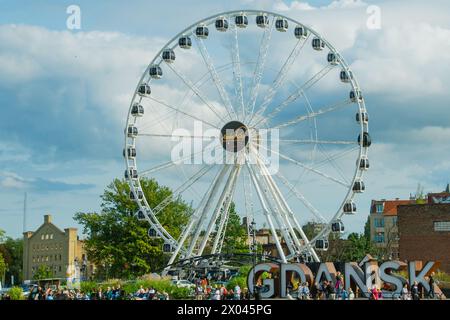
390, 206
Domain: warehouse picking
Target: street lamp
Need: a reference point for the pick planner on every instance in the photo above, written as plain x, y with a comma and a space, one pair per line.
255, 248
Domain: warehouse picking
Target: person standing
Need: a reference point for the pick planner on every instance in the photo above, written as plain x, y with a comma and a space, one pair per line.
339, 284
415, 291
431, 294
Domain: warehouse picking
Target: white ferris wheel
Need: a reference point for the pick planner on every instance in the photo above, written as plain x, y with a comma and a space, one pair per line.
268, 116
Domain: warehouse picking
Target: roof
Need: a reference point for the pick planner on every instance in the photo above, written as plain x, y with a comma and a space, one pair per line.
390, 206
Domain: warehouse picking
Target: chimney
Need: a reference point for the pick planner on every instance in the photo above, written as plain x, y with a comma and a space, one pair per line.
48, 218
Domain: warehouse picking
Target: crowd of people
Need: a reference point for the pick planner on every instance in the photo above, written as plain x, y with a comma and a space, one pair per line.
204, 290
325, 290
111, 293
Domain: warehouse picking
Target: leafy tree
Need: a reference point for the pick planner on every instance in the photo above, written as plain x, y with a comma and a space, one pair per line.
2, 268
357, 247
117, 242
235, 233
43, 272
367, 228
12, 251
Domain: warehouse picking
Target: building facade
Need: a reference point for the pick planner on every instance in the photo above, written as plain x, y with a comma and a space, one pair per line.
424, 232
384, 226
60, 251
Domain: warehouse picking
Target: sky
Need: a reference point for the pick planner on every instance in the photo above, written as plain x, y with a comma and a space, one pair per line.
64, 94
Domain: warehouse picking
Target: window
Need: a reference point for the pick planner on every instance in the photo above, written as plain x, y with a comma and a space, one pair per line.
51, 236
379, 237
442, 226
46, 237
379, 223
379, 207
42, 237
394, 221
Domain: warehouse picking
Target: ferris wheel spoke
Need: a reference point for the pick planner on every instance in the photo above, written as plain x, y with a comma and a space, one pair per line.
308, 167
281, 77
220, 235
335, 157
266, 210
177, 192
290, 217
343, 142
236, 60
311, 115
175, 136
170, 163
259, 69
214, 75
194, 89
219, 206
333, 164
297, 94
247, 187
182, 112
301, 197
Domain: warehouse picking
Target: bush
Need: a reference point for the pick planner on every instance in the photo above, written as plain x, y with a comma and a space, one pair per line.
16, 293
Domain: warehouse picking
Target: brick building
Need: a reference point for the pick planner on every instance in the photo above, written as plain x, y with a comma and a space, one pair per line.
424, 232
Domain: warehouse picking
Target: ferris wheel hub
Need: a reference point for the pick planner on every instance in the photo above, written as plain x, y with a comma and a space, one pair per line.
234, 136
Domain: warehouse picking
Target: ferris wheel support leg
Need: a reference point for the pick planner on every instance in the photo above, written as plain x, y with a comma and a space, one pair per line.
222, 226
290, 212
294, 219
305, 238
216, 213
278, 215
267, 214
282, 204
208, 198
194, 219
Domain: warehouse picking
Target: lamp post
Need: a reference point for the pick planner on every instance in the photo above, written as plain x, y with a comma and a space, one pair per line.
255, 248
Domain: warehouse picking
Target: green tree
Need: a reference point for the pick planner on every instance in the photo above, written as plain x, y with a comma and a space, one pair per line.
12, 251
43, 272
117, 242
367, 228
357, 246
235, 233
2, 269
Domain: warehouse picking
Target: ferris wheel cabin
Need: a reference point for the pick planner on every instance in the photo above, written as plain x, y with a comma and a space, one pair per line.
168, 55
241, 20
318, 44
349, 207
221, 24
337, 227
262, 20
131, 173
300, 32
137, 110
202, 31
185, 42
281, 25
358, 186
144, 90
155, 72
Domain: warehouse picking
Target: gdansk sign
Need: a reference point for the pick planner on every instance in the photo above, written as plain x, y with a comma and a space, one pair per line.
362, 276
